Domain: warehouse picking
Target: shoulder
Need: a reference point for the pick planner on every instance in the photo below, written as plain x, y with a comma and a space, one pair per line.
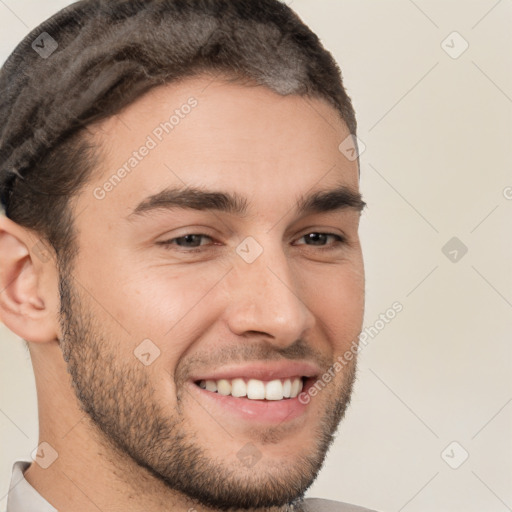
320, 505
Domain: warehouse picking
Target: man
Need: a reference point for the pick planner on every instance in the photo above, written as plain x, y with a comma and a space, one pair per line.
180, 251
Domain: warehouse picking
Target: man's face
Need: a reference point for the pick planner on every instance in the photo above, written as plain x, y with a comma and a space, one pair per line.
268, 294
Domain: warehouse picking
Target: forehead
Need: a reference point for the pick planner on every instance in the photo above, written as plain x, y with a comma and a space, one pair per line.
212, 133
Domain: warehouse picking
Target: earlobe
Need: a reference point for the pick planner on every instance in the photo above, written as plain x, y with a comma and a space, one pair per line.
27, 305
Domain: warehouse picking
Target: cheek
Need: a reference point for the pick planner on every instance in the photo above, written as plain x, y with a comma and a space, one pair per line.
170, 307
337, 301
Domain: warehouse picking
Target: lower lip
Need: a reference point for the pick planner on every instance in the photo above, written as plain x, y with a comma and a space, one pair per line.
260, 411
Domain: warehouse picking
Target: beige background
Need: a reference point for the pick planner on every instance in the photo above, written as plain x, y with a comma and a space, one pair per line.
437, 165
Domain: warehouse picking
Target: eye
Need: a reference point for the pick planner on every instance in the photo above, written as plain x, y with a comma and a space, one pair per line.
190, 241
320, 239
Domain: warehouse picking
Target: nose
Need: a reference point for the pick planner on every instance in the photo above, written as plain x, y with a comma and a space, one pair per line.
265, 298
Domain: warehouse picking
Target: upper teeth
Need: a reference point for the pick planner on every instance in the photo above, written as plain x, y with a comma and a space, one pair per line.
255, 389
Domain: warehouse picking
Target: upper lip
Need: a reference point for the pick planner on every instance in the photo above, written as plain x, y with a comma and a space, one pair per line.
263, 370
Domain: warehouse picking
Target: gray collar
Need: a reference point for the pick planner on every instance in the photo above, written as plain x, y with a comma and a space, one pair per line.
22, 496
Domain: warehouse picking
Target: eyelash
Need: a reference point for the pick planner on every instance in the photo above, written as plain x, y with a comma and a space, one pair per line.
168, 244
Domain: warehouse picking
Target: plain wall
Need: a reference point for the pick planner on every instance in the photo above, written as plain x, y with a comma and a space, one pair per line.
437, 164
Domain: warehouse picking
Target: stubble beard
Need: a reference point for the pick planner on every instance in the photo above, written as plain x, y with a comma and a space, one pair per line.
116, 394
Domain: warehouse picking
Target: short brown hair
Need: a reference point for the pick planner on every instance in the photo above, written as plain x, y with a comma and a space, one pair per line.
94, 57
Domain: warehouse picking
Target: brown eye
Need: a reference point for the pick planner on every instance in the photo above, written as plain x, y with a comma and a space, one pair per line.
192, 240
320, 239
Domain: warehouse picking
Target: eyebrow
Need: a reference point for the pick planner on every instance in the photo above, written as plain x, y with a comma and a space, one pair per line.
339, 198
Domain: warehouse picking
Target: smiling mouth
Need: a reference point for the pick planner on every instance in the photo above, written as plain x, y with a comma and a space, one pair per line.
254, 389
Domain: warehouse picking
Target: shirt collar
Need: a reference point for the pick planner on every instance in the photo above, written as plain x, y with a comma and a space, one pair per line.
22, 496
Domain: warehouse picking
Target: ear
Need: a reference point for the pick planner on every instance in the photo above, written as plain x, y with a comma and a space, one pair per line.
28, 284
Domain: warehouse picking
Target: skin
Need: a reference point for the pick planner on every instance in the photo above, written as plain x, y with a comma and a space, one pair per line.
133, 437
